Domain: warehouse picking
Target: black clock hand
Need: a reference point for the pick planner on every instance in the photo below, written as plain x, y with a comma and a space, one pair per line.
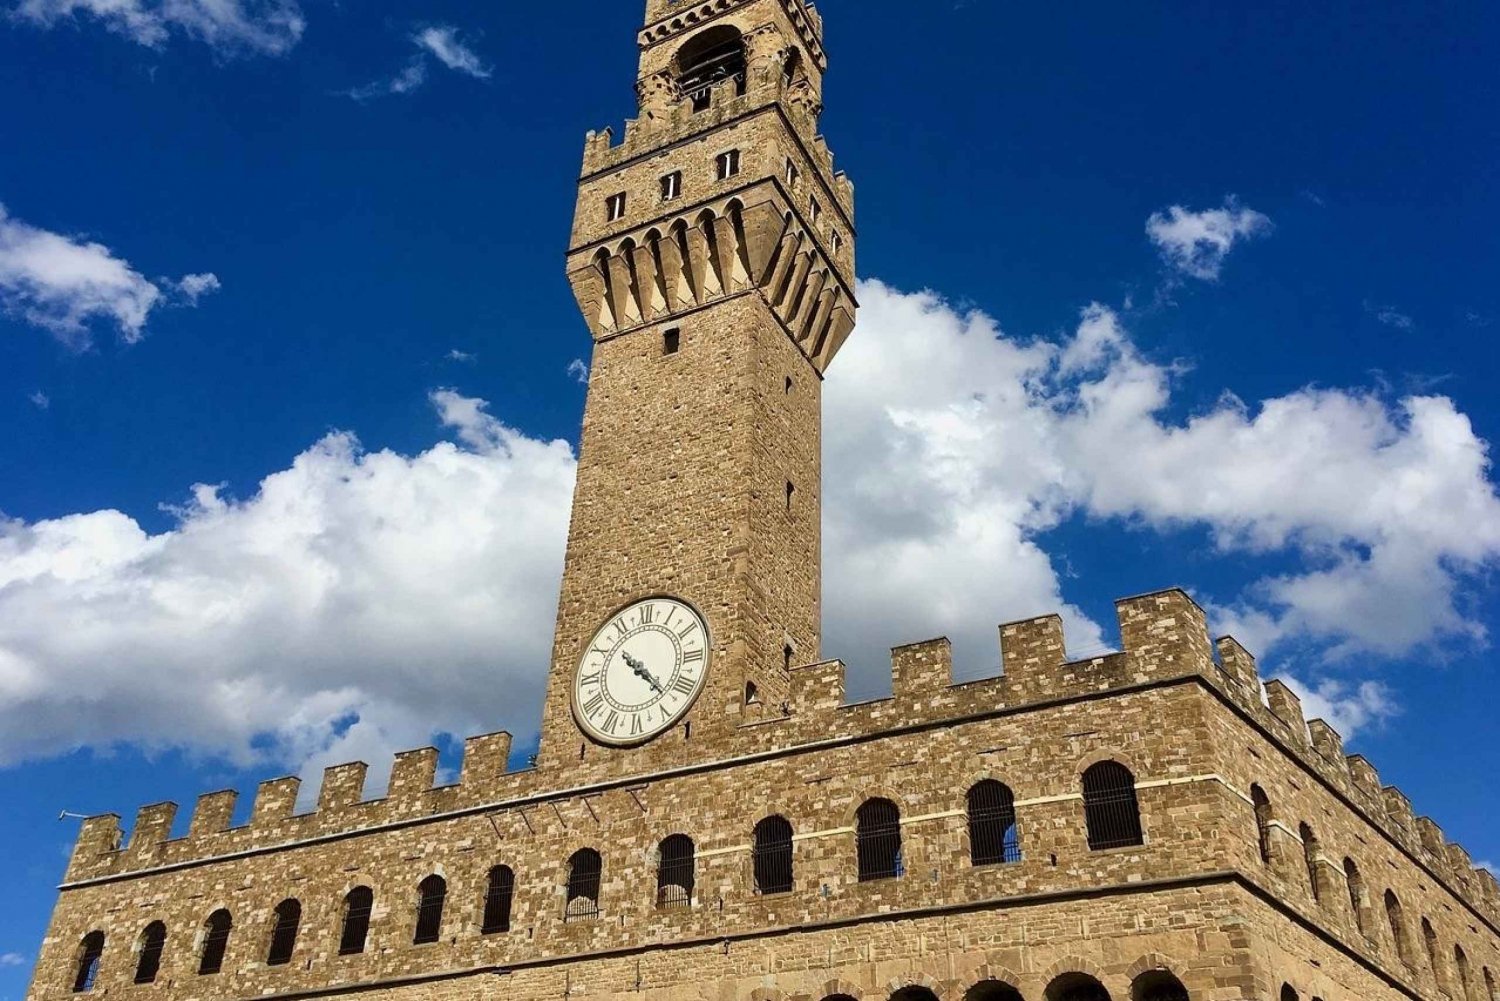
639, 669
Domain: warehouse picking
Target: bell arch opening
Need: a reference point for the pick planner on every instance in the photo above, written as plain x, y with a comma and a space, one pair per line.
708, 58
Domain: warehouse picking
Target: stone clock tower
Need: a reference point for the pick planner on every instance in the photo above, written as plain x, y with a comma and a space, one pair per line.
712, 254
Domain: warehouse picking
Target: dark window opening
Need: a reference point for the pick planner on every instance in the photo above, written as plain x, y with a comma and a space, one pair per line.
1429, 939
1398, 926
792, 174
284, 935
1158, 985
1076, 987
432, 894
707, 59
1111, 810
153, 942
817, 211
772, 856
90, 951
790, 492
787, 653
1310, 857
215, 943
992, 990
752, 694
671, 186
727, 164
497, 900
1262, 804
358, 904
584, 871
671, 341
1288, 993
789, 385
674, 873
614, 207
993, 837
878, 840
1356, 884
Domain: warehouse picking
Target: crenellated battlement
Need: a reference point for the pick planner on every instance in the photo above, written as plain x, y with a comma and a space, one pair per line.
1164, 641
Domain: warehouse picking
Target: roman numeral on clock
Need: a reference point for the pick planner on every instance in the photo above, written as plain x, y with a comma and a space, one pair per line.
648, 613
683, 685
692, 657
593, 705
636, 726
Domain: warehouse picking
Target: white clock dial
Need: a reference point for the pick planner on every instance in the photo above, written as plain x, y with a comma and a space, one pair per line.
642, 671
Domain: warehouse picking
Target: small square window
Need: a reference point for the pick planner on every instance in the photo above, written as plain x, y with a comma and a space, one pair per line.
793, 175
671, 186
728, 164
671, 341
615, 207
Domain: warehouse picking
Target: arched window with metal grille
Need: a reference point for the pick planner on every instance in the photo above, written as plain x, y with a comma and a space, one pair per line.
878, 840
1310, 858
1158, 985
993, 836
432, 895
215, 942
1111, 811
1262, 804
284, 933
1434, 957
86, 970
148, 962
1076, 987
1397, 922
499, 892
358, 903
585, 870
772, 858
674, 873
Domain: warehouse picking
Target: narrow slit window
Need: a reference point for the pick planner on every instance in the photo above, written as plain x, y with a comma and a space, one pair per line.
817, 212
838, 242
791, 491
1263, 816
614, 207
793, 175
728, 164
671, 341
671, 186
1310, 858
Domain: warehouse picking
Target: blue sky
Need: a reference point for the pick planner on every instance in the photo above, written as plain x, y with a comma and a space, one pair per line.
1153, 295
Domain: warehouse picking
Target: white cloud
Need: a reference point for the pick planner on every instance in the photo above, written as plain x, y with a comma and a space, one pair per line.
1196, 243
363, 600
952, 448
357, 602
195, 287
267, 27
464, 357
1349, 708
40, 400
1390, 316
578, 369
64, 284
443, 42
12, 959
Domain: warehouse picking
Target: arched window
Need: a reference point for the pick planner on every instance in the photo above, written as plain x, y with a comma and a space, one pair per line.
992, 990
86, 972
1397, 922
1288, 993
773, 856
284, 933
878, 840
432, 894
498, 896
993, 838
1489, 986
148, 963
1076, 987
1310, 857
674, 872
215, 942
1158, 985
914, 994
584, 871
1461, 968
709, 57
358, 904
1429, 939
1262, 822
1356, 884
1110, 808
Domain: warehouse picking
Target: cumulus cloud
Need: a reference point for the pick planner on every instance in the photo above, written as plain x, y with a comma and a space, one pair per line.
441, 42
266, 27
1196, 244
12, 959
357, 601
463, 357
65, 285
578, 370
952, 449
40, 400
195, 287
362, 600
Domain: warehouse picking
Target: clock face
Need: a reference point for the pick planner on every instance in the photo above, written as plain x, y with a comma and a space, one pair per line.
641, 672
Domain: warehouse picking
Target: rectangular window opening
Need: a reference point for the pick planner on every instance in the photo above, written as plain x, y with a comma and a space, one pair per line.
671, 186
792, 174
817, 211
728, 164
671, 341
615, 207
